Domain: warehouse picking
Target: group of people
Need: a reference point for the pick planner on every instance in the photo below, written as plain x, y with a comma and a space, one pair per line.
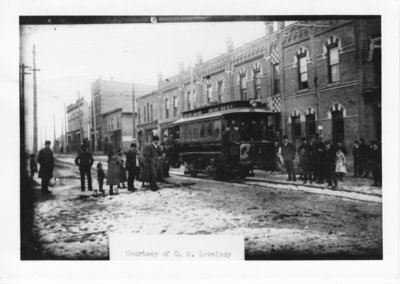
324, 161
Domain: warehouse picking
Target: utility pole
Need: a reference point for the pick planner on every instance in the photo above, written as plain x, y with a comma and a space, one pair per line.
22, 74
35, 125
65, 128
133, 113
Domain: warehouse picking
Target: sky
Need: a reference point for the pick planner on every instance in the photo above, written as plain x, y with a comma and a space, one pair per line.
70, 57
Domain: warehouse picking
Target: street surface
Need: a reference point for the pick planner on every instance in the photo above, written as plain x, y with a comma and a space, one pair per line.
276, 223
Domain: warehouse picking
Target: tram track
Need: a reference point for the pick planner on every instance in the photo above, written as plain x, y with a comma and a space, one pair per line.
272, 184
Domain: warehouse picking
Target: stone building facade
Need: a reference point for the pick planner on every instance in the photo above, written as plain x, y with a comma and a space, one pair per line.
323, 76
147, 118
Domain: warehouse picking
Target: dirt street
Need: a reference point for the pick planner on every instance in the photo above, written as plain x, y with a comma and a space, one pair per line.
276, 223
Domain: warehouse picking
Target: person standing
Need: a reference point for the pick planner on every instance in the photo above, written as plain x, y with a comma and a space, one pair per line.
330, 164
225, 146
340, 164
376, 164
46, 162
305, 153
363, 158
234, 139
288, 154
151, 155
100, 177
84, 161
32, 165
113, 172
131, 166
320, 159
356, 159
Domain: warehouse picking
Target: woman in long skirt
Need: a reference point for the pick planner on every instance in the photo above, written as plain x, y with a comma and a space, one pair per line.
113, 172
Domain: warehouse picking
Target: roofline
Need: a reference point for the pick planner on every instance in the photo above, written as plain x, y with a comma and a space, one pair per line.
111, 111
221, 113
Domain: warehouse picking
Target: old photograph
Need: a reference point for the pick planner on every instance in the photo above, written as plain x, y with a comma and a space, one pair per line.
264, 127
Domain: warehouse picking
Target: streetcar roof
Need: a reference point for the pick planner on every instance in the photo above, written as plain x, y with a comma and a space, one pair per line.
242, 110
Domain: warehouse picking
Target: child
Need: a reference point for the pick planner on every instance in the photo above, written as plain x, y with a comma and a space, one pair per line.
33, 165
340, 164
100, 178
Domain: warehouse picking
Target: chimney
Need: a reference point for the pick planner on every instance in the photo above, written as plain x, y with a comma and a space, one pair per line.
199, 58
181, 67
159, 76
269, 28
229, 45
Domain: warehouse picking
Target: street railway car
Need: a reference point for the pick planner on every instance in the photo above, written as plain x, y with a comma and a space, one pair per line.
200, 139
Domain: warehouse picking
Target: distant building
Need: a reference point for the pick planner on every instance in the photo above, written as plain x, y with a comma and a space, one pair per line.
116, 130
107, 96
78, 121
147, 118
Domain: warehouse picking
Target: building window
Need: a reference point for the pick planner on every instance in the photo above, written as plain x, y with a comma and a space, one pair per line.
144, 114
277, 82
333, 60
311, 124
148, 112
151, 112
303, 75
166, 108
219, 91
118, 122
194, 99
112, 123
188, 100
175, 106
243, 89
296, 126
257, 84
139, 115
209, 94
337, 126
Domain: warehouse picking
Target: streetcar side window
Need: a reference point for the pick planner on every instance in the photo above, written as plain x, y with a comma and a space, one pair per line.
195, 131
182, 133
188, 132
217, 129
209, 130
202, 127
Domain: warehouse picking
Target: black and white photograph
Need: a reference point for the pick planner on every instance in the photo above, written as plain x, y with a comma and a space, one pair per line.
267, 129
193, 138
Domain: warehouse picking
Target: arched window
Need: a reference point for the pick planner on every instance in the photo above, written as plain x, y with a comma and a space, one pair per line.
302, 60
332, 52
219, 91
243, 84
295, 117
311, 124
337, 114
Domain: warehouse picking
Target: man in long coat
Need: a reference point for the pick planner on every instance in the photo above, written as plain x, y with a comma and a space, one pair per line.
131, 166
46, 162
288, 154
151, 154
305, 153
84, 161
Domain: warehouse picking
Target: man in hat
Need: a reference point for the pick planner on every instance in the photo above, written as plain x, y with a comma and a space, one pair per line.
288, 154
376, 163
84, 161
46, 162
234, 139
131, 166
152, 155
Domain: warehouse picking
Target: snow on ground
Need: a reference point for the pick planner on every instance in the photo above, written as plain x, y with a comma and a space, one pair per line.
275, 222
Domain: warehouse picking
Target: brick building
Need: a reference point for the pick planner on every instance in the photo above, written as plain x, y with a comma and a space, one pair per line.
323, 76
78, 124
147, 118
108, 96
